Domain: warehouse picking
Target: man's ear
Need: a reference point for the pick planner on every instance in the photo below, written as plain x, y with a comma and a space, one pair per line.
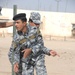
25, 23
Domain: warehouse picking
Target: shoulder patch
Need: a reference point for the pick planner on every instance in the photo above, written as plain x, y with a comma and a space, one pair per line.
22, 41
32, 37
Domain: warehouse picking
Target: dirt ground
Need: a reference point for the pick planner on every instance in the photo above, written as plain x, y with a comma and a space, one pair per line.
63, 65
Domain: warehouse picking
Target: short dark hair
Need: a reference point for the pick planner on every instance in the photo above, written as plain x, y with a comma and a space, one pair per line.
23, 19
30, 20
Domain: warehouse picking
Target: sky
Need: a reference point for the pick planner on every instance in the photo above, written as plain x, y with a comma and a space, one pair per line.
41, 5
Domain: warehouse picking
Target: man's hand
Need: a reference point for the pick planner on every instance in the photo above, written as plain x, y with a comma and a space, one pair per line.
16, 67
53, 53
27, 52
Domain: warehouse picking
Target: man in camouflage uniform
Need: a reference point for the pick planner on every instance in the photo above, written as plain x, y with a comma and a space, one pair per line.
31, 44
24, 36
35, 21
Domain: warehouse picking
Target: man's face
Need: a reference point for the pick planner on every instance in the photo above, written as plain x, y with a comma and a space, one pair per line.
34, 24
37, 25
19, 25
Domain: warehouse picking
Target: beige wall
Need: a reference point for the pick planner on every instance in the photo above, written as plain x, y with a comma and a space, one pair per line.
57, 24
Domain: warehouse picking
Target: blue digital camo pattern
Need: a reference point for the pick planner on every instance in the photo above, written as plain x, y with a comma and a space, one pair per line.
36, 18
38, 44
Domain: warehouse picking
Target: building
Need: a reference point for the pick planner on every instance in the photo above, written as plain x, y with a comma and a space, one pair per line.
53, 23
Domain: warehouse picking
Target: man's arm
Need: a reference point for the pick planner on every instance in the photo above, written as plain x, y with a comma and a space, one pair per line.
46, 50
50, 52
13, 55
39, 45
6, 24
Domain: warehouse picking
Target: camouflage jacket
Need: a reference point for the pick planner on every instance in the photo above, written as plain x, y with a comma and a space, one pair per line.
44, 49
32, 39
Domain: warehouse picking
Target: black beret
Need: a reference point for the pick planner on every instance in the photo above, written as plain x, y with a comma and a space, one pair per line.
19, 16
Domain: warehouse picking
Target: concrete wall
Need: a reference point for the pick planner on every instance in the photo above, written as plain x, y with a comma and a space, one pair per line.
53, 23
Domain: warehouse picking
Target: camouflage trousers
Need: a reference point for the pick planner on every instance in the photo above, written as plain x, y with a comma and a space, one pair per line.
39, 67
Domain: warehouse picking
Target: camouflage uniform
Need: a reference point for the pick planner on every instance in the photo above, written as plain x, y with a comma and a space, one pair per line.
36, 49
36, 18
34, 41
39, 61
